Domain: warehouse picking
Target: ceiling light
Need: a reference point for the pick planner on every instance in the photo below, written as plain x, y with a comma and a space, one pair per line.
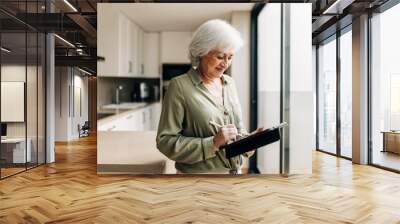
5, 50
65, 41
337, 7
70, 5
84, 71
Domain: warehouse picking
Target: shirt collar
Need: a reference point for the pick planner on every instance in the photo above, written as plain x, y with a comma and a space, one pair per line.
194, 75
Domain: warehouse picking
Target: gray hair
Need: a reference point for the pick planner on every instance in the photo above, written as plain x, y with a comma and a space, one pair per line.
213, 34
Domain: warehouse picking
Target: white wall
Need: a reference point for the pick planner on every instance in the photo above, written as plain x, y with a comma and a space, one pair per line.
68, 82
269, 73
12, 77
174, 47
302, 123
240, 69
16, 73
80, 84
62, 81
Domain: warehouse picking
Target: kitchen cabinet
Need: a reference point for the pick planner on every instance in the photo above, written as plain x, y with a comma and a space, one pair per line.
106, 127
151, 55
136, 50
140, 50
150, 117
155, 111
114, 44
120, 44
125, 44
143, 119
108, 41
134, 121
129, 122
146, 119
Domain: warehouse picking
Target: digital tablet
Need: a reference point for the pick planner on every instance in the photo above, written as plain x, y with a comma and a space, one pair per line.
253, 141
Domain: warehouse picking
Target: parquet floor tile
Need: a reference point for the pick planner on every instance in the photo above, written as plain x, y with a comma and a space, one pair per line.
70, 191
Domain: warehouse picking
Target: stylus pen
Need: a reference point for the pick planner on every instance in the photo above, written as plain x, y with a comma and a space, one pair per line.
220, 126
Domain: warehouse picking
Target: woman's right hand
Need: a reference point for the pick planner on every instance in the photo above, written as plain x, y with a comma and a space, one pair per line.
225, 134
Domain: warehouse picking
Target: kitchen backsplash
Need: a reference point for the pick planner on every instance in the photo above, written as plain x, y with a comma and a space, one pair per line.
133, 90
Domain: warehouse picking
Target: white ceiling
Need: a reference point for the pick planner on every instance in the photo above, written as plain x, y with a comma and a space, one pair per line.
177, 16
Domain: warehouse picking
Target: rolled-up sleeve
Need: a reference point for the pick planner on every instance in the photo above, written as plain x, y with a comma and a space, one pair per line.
170, 141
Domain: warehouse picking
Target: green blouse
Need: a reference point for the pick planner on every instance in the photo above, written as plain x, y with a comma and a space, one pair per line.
184, 133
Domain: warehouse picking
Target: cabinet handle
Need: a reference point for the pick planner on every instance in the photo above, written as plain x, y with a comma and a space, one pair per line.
112, 128
130, 66
142, 69
129, 117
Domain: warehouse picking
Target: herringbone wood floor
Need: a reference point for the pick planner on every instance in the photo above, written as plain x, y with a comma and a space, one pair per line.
70, 191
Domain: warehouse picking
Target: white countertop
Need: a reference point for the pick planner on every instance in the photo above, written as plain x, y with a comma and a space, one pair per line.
124, 106
118, 110
13, 140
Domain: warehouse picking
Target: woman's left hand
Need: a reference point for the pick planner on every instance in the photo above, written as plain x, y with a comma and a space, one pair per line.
257, 130
239, 136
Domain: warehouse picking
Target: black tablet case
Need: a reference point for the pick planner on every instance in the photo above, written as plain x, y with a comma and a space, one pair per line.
252, 142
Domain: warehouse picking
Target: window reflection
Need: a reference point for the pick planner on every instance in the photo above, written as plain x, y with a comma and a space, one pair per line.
22, 90
327, 97
385, 114
13, 86
346, 94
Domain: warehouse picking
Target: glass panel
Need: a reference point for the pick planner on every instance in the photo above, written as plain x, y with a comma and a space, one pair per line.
16, 8
327, 97
31, 99
346, 94
394, 102
41, 99
386, 89
22, 88
31, 86
13, 87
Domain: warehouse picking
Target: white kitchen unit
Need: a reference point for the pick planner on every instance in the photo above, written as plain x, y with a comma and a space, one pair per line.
136, 50
131, 152
126, 142
107, 41
140, 50
151, 55
151, 116
144, 118
124, 46
128, 121
120, 44
155, 111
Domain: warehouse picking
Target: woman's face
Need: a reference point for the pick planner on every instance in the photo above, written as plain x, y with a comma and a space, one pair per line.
214, 64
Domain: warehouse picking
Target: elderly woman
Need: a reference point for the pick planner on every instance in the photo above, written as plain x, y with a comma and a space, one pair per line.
201, 110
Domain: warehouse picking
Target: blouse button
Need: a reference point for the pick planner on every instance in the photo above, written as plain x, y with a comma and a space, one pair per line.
226, 111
